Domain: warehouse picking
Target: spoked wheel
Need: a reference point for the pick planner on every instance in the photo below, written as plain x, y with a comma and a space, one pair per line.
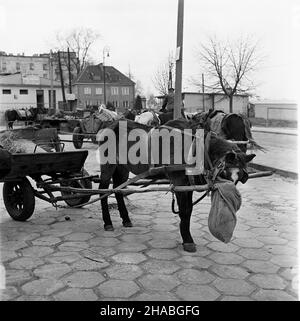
19, 199
82, 183
77, 139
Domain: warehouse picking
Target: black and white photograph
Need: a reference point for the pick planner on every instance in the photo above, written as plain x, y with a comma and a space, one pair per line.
149, 153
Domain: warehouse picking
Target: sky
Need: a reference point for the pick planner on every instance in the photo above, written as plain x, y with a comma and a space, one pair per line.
140, 34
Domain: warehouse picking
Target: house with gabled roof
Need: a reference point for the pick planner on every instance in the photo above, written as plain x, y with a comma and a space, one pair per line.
90, 85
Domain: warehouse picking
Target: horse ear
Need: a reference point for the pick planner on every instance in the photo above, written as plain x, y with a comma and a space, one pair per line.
230, 157
249, 157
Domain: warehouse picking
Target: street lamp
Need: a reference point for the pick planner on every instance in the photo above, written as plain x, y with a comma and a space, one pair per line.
105, 54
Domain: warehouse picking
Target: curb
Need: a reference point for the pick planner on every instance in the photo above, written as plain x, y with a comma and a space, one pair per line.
280, 172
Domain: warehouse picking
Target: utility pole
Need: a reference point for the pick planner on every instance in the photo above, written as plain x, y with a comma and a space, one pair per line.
61, 80
179, 55
203, 100
105, 52
69, 69
51, 105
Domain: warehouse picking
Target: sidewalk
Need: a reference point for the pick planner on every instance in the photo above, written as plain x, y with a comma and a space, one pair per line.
275, 130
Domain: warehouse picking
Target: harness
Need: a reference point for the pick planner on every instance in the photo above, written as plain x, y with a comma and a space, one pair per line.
210, 174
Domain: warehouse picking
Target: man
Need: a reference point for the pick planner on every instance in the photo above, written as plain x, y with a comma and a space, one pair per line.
168, 103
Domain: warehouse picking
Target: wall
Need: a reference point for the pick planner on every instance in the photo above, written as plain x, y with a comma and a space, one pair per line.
17, 101
193, 102
276, 111
94, 99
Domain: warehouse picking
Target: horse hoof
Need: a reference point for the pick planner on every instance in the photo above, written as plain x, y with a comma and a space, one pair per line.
127, 224
189, 247
108, 228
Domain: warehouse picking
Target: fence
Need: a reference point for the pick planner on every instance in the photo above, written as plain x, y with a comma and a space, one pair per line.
279, 116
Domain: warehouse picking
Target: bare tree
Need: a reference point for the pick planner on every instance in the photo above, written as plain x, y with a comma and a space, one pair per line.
139, 90
229, 65
164, 75
78, 41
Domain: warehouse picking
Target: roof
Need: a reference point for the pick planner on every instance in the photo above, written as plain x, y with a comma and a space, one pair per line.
94, 74
211, 93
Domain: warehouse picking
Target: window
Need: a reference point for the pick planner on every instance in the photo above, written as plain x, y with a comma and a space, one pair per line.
115, 103
18, 66
23, 91
125, 90
114, 90
31, 66
4, 66
125, 104
87, 91
45, 66
98, 90
6, 91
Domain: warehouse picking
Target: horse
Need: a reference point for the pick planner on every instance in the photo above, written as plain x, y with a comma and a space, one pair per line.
24, 114
234, 163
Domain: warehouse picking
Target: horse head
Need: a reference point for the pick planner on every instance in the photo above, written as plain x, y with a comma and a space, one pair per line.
229, 160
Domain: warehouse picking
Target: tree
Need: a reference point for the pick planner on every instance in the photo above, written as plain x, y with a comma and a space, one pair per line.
229, 65
139, 90
151, 102
138, 106
164, 75
78, 41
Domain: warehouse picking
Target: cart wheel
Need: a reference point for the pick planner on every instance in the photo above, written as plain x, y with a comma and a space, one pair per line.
94, 140
77, 139
83, 183
19, 199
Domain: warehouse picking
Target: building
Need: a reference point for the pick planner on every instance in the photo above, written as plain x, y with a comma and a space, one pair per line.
197, 102
274, 109
18, 91
39, 65
90, 85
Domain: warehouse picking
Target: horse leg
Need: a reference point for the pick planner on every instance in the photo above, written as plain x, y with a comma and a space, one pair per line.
108, 226
185, 201
119, 177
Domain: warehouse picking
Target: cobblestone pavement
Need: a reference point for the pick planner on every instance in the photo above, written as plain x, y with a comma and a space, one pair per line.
52, 258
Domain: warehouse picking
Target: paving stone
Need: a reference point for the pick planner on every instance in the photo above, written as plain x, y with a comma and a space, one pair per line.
130, 247
52, 271
33, 298
16, 277
13, 245
233, 286
281, 249
190, 262
236, 298
284, 260
83, 279
76, 294
160, 266
130, 258
7, 255
88, 264
155, 296
63, 257
163, 244
118, 289
46, 241
159, 282
27, 263
21, 236
248, 243
193, 276
290, 273
37, 251
222, 247
164, 227
260, 266
162, 254
42, 287
226, 258
56, 233
73, 246
79, 236
195, 292
268, 281
9, 293
229, 271
104, 251
124, 271
255, 254
273, 295
136, 238
104, 241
